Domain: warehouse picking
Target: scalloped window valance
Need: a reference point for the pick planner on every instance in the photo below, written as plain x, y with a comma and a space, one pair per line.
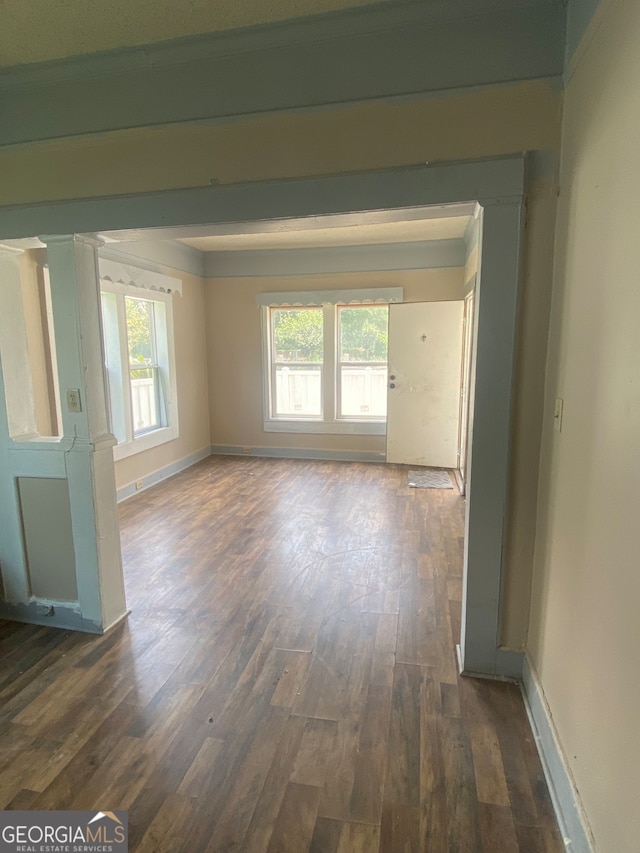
330, 297
133, 276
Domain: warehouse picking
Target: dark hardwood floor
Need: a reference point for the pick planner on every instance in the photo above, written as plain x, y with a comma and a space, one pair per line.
286, 681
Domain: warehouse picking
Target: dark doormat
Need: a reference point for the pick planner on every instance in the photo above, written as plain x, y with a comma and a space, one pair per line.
430, 478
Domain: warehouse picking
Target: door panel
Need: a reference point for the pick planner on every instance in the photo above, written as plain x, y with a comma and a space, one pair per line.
425, 360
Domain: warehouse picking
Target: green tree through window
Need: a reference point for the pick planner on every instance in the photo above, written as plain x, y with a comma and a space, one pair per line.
363, 333
139, 330
328, 363
297, 334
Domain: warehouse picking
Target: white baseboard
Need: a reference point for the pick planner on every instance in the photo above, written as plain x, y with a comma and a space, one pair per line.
570, 813
162, 474
51, 614
506, 666
298, 453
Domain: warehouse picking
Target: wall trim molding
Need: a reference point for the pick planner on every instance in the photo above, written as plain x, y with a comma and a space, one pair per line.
472, 235
344, 296
385, 50
508, 666
492, 181
128, 491
51, 614
298, 453
572, 819
172, 256
157, 256
301, 30
423, 254
509, 663
115, 270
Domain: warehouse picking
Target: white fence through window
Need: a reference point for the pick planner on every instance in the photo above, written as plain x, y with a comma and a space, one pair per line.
145, 408
363, 391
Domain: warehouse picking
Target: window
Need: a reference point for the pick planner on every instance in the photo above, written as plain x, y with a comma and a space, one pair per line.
362, 369
326, 364
296, 362
139, 362
147, 402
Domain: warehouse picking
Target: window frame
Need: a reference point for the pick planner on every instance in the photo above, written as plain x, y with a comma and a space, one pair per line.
155, 367
274, 364
362, 364
330, 422
115, 341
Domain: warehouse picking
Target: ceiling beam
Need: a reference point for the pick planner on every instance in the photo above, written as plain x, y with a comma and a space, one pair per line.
389, 51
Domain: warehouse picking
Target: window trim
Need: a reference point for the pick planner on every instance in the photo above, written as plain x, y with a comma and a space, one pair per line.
169, 432
330, 422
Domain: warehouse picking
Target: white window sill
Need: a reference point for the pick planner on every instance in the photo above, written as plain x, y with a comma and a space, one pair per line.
327, 427
145, 442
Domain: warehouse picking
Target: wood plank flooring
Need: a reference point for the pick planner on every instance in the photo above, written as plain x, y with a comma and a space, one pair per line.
286, 681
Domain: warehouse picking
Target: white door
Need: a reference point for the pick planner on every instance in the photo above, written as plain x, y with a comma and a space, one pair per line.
423, 397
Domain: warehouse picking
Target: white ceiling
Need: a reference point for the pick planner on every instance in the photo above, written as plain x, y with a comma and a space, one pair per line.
446, 228
40, 30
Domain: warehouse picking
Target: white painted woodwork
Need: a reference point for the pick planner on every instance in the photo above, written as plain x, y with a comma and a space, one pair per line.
82, 456
348, 58
18, 386
425, 357
75, 297
488, 455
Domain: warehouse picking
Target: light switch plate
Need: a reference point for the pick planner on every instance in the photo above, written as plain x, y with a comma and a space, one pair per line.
557, 414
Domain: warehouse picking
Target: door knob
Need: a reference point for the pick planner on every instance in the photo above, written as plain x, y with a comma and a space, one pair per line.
392, 376
392, 385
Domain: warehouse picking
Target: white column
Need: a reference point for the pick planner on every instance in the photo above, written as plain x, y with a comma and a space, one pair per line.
75, 298
18, 387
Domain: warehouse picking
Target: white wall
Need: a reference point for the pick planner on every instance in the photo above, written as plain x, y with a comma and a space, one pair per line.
584, 636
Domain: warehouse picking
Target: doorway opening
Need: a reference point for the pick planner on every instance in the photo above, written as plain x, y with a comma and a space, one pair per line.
495, 188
